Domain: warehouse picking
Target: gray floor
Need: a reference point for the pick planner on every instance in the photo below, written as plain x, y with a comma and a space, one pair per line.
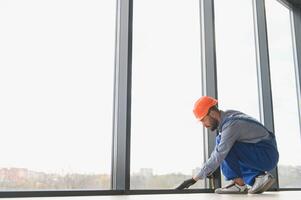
284, 195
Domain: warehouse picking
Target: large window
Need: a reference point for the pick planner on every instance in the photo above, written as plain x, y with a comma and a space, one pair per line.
285, 105
166, 144
235, 56
56, 89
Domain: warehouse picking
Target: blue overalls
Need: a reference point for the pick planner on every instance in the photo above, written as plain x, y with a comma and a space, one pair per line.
248, 160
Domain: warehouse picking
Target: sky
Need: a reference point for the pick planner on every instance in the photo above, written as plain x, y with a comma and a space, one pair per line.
166, 82
56, 82
236, 56
285, 102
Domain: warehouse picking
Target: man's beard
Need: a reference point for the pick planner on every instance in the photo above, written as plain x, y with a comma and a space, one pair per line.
214, 124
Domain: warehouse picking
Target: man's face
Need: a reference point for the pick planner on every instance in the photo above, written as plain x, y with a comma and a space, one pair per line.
210, 122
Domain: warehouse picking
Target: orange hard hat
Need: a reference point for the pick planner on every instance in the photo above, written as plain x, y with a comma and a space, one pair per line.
202, 106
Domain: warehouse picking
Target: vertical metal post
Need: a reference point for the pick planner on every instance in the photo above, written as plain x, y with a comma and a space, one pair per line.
122, 97
209, 79
296, 32
263, 70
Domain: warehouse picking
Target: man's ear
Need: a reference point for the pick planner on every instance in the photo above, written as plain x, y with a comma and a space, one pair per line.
212, 113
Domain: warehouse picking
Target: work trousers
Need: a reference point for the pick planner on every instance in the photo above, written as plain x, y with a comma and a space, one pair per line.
248, 160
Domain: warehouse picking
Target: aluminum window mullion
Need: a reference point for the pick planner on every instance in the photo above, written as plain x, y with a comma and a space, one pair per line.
263, 71
296, 35
209, 77
122, 97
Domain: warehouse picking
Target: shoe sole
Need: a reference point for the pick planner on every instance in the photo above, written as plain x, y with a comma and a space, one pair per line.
265, 187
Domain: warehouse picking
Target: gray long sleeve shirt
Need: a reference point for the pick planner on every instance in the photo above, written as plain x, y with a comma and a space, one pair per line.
232, 131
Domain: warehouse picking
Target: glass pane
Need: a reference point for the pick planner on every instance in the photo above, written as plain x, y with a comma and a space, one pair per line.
56, 87
167, 144
285, 105
235, 56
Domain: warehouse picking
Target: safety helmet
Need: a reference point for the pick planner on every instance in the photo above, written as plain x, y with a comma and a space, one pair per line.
202, 106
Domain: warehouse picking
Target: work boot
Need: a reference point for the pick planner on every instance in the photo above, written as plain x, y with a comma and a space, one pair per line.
232, 188
262, 183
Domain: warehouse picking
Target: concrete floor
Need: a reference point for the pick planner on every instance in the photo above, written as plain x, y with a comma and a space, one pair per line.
283, 195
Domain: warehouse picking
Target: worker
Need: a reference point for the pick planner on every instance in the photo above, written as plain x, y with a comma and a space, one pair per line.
245, 149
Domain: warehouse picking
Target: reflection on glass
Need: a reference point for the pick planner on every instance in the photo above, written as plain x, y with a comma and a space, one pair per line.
56, 86
285, 105
166, 140
235, 56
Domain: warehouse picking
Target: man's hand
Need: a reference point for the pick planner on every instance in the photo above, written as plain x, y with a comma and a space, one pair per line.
186, 184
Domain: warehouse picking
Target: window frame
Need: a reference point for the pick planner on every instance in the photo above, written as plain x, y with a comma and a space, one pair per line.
122, 94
